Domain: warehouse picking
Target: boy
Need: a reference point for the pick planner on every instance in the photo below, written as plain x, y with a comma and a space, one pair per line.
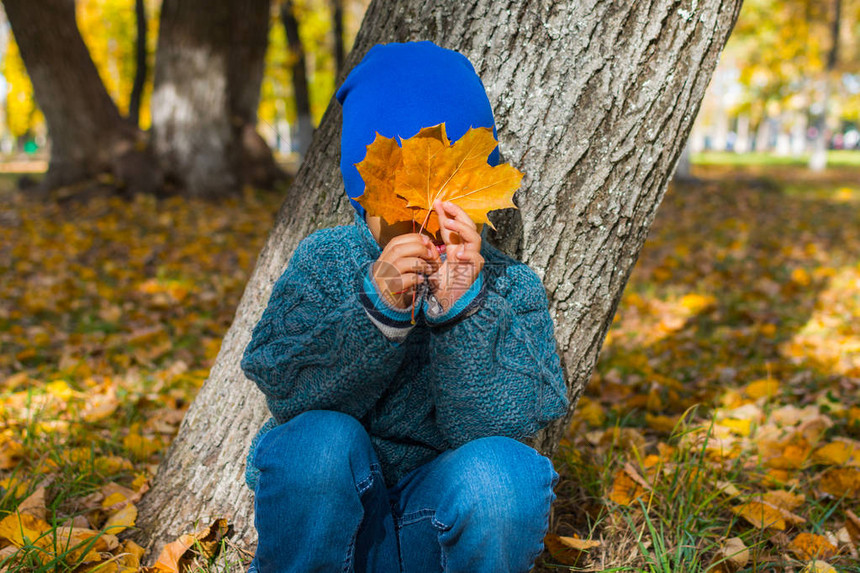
395, 446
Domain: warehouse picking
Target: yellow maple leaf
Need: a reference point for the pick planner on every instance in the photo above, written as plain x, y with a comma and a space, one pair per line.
377, 170
403, 182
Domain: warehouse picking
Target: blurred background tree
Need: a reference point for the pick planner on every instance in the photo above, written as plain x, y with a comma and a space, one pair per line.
788, 85
788, 82
287, 94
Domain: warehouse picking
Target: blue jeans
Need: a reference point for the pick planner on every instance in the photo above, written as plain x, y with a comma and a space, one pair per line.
321, 504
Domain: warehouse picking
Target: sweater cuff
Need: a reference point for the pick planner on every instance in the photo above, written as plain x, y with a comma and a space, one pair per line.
394, 323
466, 305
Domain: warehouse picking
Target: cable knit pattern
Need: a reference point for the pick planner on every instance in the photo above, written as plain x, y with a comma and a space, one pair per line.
492, 371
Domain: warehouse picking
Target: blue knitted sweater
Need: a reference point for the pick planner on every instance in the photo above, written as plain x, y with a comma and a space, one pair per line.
328, 341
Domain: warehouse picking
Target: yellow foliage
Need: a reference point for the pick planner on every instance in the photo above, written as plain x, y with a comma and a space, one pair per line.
841, 482
22, 115
590, 411
740, 427
764, 388
121, 520
761, 515
806, 546
625, 490
835, 453
819, 566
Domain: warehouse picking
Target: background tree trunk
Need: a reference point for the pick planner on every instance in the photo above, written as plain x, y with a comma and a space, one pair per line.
304, 129
593, 102
208, 71
684, 168
88, 135
818, 160
337, 33
140, 70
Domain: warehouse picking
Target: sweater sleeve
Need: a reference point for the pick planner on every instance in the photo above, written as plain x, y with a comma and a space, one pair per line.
316, 348
394, 323
497, 370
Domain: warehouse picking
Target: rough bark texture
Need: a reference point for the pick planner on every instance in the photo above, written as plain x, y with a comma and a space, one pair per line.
593, 101
88, 135
208, 71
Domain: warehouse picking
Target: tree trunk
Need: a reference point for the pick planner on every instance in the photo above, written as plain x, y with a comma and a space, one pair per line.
337, 32
304, 131
208, 71
140, 64
593, 101
684, 168
818, 160
88, 135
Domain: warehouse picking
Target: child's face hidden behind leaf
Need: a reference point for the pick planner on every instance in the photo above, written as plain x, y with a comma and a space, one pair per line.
384, 232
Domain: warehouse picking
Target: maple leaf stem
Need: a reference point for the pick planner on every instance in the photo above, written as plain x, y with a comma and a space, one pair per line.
412, 318
426, 219
423, 224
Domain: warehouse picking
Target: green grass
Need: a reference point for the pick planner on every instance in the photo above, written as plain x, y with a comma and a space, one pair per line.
836, 158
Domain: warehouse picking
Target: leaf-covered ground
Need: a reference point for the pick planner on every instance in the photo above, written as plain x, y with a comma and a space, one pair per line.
111, 314
719, 428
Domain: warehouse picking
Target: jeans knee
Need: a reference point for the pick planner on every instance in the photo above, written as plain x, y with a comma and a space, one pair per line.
502, 484
317, 447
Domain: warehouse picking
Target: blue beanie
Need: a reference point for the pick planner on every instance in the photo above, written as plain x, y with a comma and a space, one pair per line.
397, 90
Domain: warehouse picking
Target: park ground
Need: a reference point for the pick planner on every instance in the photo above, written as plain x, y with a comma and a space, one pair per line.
720, 431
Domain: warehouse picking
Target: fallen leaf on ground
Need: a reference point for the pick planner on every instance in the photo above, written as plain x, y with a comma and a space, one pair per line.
206, 540
852, 524
761, 515
764, 388
732, 555
121, 520
19, 528
784, 499
819, 567
840, 482
35, 505
835, 453
625, 490
568, 550
807, 546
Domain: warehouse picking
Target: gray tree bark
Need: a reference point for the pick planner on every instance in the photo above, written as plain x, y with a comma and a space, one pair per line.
208, 72
593, 102
88, 135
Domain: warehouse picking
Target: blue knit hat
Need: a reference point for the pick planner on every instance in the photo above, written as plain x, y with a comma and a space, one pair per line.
397, 90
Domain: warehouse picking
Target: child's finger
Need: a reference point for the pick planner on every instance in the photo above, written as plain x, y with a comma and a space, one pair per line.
432, 255
407, 265
468, 233
412, 246
443, 219
457, 212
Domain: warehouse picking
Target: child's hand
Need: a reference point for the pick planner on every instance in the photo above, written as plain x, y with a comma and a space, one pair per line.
463, 260
401, 267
